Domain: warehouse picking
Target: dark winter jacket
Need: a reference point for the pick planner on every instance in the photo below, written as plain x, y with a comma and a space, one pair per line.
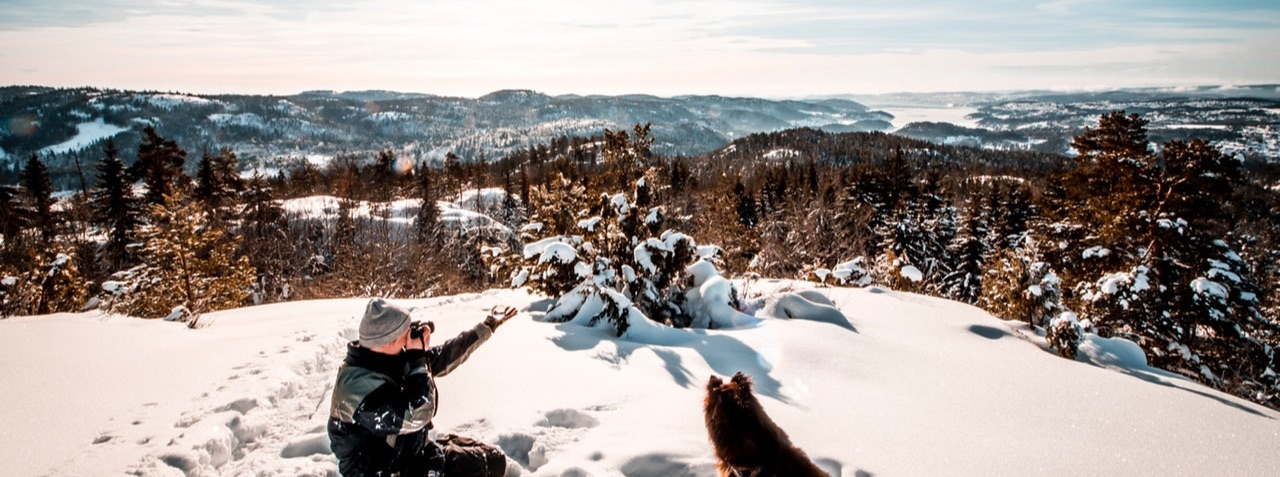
383, 405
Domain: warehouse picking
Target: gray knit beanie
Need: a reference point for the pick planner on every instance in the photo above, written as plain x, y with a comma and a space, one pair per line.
383, 322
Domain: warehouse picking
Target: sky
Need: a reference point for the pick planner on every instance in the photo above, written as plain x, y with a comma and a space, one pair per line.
664, 47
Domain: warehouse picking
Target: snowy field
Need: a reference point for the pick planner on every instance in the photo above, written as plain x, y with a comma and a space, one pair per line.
86, 134
909, 385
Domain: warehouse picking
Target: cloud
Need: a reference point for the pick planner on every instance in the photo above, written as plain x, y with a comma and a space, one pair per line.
753, 47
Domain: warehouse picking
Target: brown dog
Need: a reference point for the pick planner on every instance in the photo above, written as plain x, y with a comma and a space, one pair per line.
747, 442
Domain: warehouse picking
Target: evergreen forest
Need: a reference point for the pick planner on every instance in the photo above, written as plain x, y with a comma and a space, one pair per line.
1174, 245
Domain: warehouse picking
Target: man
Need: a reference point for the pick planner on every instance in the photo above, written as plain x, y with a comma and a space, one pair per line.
385, 398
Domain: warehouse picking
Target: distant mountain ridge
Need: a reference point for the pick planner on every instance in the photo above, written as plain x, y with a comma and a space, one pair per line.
266, 132
262, 129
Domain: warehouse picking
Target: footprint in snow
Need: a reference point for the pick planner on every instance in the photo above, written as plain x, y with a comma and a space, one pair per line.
558, 428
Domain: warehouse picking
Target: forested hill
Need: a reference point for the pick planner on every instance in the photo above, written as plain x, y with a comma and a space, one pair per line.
856, 148
263, 130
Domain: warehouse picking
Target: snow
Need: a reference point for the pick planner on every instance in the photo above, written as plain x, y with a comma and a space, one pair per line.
781, 153
559, 252
537, 248
854, 270
910, 272
476, 200
399, 212
388, 116
913, 386
1096, 251
644, 255
86, 134
1209, 288
620, 204
170, 101
249, 120
653, 216
589, 224
1112, 352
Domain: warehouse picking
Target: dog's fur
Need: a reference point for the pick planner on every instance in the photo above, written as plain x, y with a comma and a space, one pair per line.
747, 442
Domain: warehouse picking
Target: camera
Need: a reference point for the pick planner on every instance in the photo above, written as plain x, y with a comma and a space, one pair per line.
415, 328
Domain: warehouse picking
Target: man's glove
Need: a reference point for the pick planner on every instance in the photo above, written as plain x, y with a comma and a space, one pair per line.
499, 315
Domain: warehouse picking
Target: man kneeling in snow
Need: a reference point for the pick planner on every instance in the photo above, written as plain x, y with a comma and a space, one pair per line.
385, 398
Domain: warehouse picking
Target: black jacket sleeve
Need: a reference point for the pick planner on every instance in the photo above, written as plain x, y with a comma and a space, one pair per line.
443, 359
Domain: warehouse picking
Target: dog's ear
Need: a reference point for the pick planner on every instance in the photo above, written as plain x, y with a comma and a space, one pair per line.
714, 383
742, 381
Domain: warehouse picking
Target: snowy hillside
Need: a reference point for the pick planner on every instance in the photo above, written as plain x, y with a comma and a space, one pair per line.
909, 386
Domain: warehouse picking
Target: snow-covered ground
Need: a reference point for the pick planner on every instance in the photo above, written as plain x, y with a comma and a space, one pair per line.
910, 385
86, 134
463, 211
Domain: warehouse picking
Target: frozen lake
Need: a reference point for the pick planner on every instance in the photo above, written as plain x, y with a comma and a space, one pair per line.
903, 115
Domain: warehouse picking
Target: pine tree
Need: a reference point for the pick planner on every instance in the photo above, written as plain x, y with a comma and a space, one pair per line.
1143, 239
265, 240
626, 154
427, 223
382, 176
218, 182
38, 190
115, 207
160, 167
187, 265
13, 220
1015, 286
746, 206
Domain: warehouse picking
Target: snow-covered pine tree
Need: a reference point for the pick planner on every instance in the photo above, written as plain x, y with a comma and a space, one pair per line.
187, 264
970, 251
548, 260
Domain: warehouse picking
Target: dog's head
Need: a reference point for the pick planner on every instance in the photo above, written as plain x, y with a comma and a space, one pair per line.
734, 396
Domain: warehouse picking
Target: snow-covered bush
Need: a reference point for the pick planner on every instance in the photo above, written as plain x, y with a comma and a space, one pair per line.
1064, 334
852, 273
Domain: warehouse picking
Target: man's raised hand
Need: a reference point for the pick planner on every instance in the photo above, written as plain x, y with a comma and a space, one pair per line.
498, 315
